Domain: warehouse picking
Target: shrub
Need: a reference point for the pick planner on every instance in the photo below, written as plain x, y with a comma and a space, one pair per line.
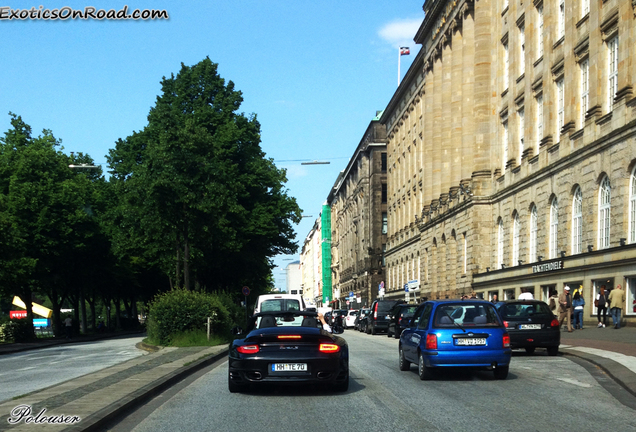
17, 330
180, 310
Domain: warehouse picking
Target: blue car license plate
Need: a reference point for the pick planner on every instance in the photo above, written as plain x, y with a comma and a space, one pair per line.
470, 341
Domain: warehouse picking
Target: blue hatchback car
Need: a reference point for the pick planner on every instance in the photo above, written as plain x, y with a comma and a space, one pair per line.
455, 333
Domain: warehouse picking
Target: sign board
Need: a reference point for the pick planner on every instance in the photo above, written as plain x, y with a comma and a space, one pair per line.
406, 287
246, 291
414, 285
551, 266
41, 322
17, 314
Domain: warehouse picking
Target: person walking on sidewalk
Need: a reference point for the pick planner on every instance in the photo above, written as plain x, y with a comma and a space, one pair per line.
68, 323
565, 308
601, 306
617, 300
578, 302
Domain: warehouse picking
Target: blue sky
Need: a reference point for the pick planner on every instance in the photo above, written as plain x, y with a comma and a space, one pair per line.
314, 72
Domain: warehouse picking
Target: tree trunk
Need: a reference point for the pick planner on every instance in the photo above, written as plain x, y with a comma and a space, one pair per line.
186, 258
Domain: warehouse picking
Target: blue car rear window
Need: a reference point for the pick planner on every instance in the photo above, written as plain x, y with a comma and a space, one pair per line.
463, 314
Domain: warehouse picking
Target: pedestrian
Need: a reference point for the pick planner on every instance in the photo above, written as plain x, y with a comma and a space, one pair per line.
617, 300
494, 298
601, 306
68, 323
525, 295
578, 302
565, 308
553, 299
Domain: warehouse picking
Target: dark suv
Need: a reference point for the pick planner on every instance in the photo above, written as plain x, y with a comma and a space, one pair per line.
378, 319
400, 315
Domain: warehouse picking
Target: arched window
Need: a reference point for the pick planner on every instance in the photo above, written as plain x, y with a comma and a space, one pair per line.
554, 228
515, 240
577, 221
500, 244
632, 207
604, 207
532, 251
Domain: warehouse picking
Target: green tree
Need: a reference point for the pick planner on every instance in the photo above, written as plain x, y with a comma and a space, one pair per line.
197, 191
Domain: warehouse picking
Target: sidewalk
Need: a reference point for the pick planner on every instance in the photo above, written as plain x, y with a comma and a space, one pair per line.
99, 397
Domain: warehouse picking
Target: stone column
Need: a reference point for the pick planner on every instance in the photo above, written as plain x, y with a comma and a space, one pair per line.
447, 94
467, 91
437, 127
456, 107
429, 90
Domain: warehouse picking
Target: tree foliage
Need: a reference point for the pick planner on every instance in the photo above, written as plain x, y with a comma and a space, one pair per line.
199, 198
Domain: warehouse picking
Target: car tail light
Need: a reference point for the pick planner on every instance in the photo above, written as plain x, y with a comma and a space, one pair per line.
507, 324
375, 311
554, 323
329, 348
289, 337
431, 342
506, 340
248, 349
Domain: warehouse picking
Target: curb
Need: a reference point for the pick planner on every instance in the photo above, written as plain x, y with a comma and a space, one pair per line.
602, 363
98, 420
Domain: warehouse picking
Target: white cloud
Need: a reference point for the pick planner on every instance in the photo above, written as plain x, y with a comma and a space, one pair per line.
400, 32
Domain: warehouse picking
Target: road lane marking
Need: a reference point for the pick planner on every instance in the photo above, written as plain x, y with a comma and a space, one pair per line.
575, 382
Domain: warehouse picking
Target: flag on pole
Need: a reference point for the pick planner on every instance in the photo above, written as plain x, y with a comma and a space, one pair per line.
405, 51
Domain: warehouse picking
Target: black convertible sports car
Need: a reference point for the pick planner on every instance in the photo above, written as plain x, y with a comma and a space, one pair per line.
288, 348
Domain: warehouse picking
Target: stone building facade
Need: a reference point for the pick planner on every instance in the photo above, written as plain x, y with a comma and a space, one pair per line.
311, 266
512, 151
358, 204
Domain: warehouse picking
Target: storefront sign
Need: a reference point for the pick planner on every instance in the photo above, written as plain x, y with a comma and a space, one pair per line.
551, 266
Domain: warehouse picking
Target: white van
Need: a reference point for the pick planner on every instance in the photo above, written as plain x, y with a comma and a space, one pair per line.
279, 302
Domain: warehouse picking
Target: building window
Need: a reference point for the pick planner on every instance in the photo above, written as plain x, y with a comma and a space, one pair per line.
539, 119
515, 240
577, 221
540, 32
560, 105
532, 252
522, 49
506, 66
385, 225
604, 207
585, 89
632, 207
554, 228
585, 8
384, 193
561, 20
612, 46
504, 143
522, 126
500, 244
383, 159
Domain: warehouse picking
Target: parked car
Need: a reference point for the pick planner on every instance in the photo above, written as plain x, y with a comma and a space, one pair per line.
399, 317
531, 324
361, 320
455, 333
279, 302
378, 319
350, 318
287, 348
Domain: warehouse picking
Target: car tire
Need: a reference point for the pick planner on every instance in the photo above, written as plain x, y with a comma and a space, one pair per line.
529, 350
552, 351
343, 386
403, 364
424, 372
234, 387
501, 373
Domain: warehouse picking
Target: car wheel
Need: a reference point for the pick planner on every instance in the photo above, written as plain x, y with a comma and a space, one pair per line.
424, 372
342, 386
529, 350
403, 364
501, 372
234, 387
552, 351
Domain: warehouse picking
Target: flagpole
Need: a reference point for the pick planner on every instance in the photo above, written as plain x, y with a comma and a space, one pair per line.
399, 58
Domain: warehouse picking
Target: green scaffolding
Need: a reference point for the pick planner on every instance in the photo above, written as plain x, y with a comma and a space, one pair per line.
325, 222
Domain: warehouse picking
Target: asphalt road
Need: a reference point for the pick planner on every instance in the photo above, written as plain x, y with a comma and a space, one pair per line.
541, 393
24, 372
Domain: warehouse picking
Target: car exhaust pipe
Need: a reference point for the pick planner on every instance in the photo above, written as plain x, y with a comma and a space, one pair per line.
323, 375
255, 375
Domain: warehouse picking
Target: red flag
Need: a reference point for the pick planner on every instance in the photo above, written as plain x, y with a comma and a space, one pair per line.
404, 51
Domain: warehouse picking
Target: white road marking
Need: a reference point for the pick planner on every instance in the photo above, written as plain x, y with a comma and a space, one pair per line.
27, 368
575, 382
628, 361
